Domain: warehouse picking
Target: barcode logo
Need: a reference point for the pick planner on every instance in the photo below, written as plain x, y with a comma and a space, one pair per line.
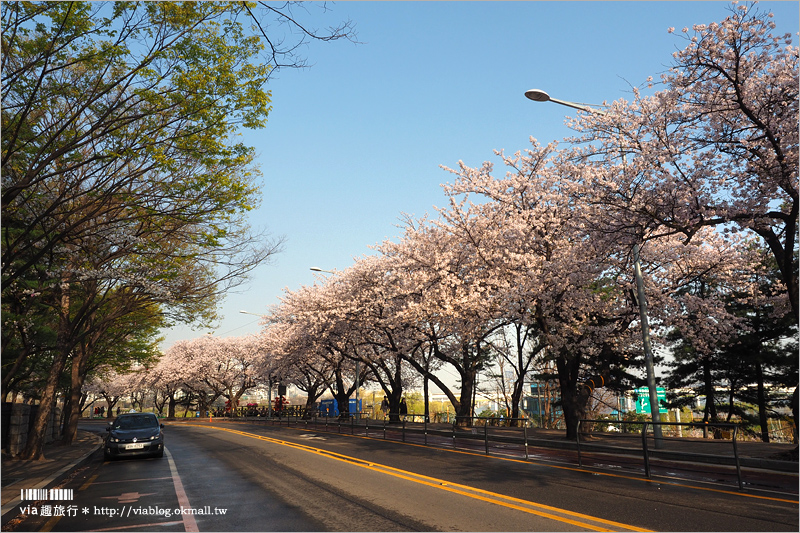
45, 494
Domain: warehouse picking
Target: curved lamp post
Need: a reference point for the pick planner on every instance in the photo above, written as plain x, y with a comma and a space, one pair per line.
538, 95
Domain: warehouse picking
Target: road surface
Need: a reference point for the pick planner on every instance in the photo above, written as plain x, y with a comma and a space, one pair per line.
224, 476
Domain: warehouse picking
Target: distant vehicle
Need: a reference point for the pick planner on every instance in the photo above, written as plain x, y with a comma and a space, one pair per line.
134, 434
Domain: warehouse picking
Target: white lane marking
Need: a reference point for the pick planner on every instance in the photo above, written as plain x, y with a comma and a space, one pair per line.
189, 523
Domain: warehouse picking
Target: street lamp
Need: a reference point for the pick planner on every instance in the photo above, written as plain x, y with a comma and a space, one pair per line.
318, 269
541, 96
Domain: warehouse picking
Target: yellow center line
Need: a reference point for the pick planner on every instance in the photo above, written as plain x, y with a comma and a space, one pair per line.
50, 524
464, 490
88, 482
594, 472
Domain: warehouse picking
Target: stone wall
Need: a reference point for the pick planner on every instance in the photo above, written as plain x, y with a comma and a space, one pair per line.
17, 418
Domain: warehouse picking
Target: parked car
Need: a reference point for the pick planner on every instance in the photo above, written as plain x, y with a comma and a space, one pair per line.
134, 434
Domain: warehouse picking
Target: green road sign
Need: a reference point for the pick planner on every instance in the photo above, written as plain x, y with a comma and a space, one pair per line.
642, 400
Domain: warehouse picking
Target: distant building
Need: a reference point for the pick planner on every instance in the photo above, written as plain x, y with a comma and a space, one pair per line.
540, 403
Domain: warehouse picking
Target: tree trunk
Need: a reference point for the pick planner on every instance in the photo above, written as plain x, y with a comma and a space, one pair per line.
762, 403
573, 411
34, 446
710, 411
233, 398
72, 412
313, 390
465, 410
516, 398
391, 380
171, 403
73, 407
394, 396
454, 401
425, 392
311, 403
202, 404
573, 403
795, 409
546, 407
343, 403
341, 395
111, 401
84, 397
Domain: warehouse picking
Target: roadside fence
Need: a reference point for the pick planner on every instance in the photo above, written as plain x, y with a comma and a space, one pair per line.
634, 448
650, 443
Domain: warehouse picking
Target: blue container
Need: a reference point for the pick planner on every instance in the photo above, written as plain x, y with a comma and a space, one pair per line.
330, 408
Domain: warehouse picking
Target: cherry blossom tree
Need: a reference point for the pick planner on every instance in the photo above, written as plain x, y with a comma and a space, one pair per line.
113, 386
717, 146
547, 250
311, 319
239, 361
296, 361
560, 267
167, 378
449, 301
211, 367
312, 376
351, 323
730, 326
384, 342
517, 348
176, 375
551, 276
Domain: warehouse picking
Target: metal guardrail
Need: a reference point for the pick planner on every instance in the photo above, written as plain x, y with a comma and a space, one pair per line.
509, 435
657, 441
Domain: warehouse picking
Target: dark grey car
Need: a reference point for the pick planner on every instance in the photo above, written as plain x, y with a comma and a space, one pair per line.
134, 434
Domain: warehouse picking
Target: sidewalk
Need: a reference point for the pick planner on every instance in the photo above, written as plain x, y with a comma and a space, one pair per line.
59, 461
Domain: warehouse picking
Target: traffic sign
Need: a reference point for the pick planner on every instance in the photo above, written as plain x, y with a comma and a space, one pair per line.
642, 400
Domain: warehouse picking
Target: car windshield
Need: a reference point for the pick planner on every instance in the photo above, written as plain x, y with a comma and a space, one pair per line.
135, 422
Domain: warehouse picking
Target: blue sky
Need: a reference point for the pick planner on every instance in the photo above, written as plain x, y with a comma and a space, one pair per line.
357, 139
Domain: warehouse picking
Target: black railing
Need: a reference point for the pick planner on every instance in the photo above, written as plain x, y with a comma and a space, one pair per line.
658, 444
500, 437
499, 421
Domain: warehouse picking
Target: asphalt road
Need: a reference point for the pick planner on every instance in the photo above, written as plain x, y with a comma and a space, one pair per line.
241, 477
